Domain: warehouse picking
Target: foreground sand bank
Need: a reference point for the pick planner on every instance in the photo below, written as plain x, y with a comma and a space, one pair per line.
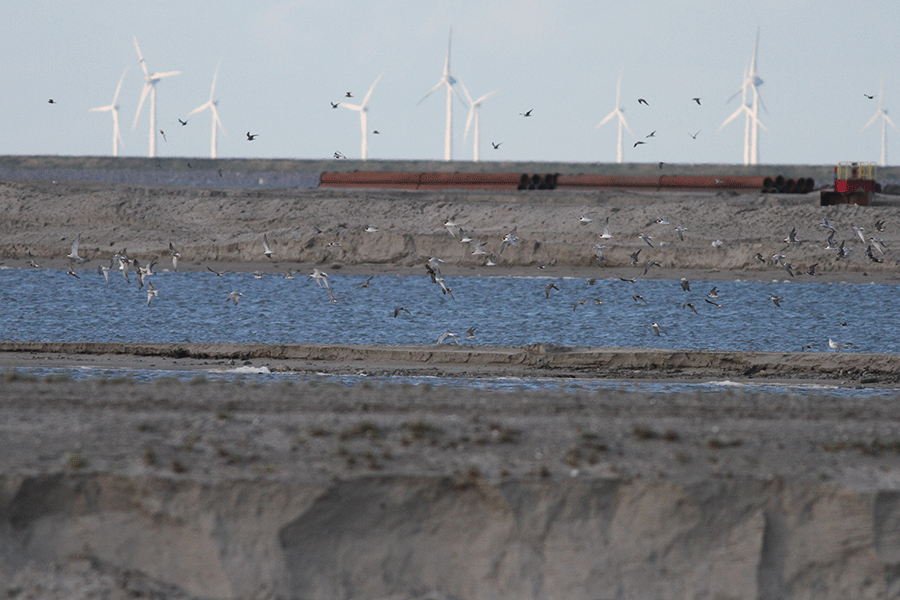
536, 360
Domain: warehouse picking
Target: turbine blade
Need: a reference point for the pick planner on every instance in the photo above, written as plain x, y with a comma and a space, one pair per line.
212, 91
365, 101
605, 119
624, 122
147, 87
101, 108
140, 56
872, 120
119, 87
732, 117
472, 109
166, 74
455, 93
483, 98
889, 122
439, 84
356, 107
200, 108
216, 118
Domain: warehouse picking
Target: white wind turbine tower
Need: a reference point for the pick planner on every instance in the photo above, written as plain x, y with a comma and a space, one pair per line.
748, 116
114, 109
474, 111
617, 112
150, 81
363, 122
752, 82
211, 105
448, 80
885, 121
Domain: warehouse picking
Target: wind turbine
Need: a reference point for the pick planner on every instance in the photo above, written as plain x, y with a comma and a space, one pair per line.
474, 111
751, 83
114, 109
363, 111
448, 80
617, 112
211, 105
150, 81
885, 121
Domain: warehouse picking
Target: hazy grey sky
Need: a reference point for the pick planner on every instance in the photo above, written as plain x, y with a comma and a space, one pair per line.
282, 62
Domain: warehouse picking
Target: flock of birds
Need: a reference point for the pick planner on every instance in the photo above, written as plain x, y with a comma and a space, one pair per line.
875, 248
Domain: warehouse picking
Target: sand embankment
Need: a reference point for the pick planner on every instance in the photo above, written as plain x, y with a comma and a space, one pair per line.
312, 490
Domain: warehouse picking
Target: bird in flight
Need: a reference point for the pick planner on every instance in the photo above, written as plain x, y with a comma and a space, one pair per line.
864, 94
51, 101
694, 135
348, 95
652, 134
163, 133
496, 146
527, 113
251, 137
638, 143
233, 296
74, 253
657, 328
183, 123
697, 100
335, 104
642, 101
266, 250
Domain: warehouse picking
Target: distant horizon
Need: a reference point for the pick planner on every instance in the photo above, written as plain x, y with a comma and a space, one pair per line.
280, 66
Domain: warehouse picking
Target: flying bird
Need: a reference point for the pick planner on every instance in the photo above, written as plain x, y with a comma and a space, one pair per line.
864, 94
685, 284
651, 134
638, 143
74, 253
251, 136
151, 292
690, 306
606, 234
694, 135
527, 113
776, 300
657, 328
642, 101
646, 238
233, 296
183, 123
335, 104
400, 308
266, 250
51, 101
446, 335
550, 286
496, 146
697, 100
216, 273
348, 95
470, 333
163, 133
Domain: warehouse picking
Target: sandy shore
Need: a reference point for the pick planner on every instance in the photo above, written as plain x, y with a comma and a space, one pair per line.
303, 489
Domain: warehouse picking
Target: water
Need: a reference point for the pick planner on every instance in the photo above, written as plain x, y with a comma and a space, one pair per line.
49, 305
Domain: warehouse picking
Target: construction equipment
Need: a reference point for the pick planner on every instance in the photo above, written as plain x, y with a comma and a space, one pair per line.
854, 183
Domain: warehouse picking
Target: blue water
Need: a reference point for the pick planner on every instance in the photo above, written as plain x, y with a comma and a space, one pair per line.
49, 305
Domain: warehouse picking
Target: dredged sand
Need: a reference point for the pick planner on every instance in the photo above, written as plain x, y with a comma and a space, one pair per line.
309, 490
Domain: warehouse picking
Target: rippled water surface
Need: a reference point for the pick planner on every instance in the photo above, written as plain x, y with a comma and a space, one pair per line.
50, 305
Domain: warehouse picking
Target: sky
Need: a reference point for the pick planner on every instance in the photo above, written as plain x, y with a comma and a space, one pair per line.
282, 63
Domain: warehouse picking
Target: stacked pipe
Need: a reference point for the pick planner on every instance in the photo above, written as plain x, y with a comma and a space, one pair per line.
780, 185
